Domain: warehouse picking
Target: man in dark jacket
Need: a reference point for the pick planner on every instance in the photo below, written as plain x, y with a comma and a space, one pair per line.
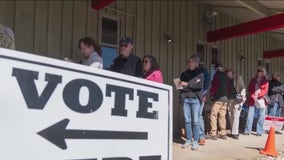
192, 81
219, 93
275, 92
126, 62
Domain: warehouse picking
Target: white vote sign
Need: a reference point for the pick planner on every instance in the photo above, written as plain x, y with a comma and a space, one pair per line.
52, 109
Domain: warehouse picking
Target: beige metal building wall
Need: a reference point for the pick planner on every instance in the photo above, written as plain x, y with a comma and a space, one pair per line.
53, 28
251, 47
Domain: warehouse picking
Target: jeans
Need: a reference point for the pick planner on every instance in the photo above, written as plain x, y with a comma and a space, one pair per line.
274, 110
191, 115
201, 122
259, 126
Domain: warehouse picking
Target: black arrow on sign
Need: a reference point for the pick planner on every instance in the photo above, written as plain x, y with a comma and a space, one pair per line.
57, 134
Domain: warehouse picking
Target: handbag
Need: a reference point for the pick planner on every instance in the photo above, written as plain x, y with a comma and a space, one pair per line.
238, 98
260, 103
267, 99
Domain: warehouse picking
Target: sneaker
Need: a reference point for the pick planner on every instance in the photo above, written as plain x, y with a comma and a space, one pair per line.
186, 144
236, 137
223, 137
258, 135
202, 141
194, 145
246, 134
278, 132
213, 137
266, 131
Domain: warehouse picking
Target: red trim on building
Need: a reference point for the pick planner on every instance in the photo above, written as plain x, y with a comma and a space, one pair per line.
273, 53
99, 4
252, 27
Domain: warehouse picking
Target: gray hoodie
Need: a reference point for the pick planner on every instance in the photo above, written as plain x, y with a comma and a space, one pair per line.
94, 60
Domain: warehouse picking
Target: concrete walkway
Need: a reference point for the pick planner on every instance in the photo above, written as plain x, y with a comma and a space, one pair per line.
246, 148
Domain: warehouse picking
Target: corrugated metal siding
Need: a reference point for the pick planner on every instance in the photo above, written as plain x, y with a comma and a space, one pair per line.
53, 28
251, 47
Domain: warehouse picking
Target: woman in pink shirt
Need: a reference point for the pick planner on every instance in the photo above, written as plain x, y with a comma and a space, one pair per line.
151, 69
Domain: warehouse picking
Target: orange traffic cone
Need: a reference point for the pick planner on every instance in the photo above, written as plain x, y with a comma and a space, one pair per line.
270, 144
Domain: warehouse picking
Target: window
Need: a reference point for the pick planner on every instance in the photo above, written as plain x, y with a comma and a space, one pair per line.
109, 30
214, 55
200, 51
109, 39
260, 62
109, 54
267, 67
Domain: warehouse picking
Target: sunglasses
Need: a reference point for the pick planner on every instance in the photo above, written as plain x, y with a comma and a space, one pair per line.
145, 61
259, 70
123, 45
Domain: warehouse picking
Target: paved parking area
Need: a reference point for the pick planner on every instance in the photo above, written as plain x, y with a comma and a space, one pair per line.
246, 148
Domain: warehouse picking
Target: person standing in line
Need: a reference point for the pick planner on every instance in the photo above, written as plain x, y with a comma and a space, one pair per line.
219, 93
91, 52
206, 85
151, 69
235, 86
127, 62
192, 82
7, 38
257, 90
275, 92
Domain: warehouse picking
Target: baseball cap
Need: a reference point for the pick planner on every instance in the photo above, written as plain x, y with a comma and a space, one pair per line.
126, 40
218, 65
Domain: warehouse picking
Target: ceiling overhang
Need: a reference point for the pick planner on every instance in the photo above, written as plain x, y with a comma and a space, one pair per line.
257, 7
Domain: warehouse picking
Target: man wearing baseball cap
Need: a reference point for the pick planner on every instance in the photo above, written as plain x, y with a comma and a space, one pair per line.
127, 62
219, 93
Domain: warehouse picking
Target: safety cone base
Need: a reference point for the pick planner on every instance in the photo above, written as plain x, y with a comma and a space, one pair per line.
275, 154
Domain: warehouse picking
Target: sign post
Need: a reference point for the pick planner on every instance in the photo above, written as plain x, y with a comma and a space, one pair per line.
52, 109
